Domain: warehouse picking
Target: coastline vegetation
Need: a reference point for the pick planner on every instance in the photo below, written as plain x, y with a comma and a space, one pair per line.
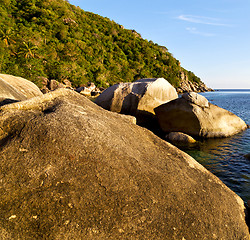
57, 40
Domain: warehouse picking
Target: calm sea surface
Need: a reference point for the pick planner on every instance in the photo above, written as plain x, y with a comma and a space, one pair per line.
225, 157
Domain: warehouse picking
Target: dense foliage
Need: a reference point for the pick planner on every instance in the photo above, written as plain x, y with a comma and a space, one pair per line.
54, 39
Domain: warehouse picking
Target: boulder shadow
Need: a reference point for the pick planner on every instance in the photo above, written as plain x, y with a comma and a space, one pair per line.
7, 101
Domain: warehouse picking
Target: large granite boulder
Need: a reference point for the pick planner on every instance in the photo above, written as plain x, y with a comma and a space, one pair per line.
194, 115
136, 98
71, 170
16, 89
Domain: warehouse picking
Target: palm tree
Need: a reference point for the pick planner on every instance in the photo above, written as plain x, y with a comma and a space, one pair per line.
28, 50
7, 36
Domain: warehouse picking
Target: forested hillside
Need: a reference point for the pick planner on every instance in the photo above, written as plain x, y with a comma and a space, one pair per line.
54, 39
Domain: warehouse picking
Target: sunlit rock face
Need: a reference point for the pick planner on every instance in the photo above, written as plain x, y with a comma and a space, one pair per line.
72, 170
139, 97
14, 89
193, 115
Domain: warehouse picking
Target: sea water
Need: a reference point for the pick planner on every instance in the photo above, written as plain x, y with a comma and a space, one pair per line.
225, 157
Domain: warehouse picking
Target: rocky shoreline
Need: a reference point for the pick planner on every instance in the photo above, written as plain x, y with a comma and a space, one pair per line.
91, 90
188, 86
73, 170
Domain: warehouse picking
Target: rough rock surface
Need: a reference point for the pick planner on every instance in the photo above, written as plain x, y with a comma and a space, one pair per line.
182, 115
188, 86
51, 85
139, 97
16, 89
180, 137
89, 90
71, 170
197, 99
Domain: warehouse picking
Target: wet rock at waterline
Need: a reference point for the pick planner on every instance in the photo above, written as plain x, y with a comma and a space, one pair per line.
178, 137
71, 170
247, 156
191, 114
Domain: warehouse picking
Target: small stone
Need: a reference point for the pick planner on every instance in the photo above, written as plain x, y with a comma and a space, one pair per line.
12, 217
180, 137
67, 222
23, 150
70, 205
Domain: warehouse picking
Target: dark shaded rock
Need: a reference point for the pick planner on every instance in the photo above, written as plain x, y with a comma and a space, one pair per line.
178, 137
80, 89
194, 116
247, 156
248, 214
95, 93
71, 170
7, 101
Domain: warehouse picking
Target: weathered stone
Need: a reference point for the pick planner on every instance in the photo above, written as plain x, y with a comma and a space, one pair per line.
188, 86
45, 84
53, 85
91, 86
139, 97
45, 90
67, 83
185, 116
16, 89
180, 137
71, 170
196, 99
86, 91
90, 90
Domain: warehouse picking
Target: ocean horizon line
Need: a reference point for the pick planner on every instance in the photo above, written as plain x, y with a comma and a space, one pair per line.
232, 89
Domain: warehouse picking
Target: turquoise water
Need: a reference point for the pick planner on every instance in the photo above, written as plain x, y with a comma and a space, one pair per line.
225, 157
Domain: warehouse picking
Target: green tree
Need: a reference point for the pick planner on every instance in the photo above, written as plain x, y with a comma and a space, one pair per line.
28, 50
55, 39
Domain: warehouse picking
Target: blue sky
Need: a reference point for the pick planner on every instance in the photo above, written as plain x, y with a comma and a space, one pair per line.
210, 38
